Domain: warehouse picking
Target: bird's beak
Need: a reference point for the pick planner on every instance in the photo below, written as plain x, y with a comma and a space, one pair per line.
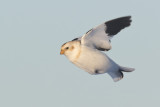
62, 52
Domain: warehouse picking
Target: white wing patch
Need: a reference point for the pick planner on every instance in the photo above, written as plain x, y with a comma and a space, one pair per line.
100, 36
97, 38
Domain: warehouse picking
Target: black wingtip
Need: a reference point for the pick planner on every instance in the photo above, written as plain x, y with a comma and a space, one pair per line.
116, 25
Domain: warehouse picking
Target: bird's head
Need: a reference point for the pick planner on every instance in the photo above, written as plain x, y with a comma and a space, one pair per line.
70, 48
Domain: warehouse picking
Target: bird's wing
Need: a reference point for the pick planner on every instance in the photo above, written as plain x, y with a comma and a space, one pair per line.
100, 36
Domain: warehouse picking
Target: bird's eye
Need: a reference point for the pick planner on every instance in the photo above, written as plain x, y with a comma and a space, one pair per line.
67, 48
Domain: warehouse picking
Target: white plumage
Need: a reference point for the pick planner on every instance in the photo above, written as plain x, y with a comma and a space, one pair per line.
85, 52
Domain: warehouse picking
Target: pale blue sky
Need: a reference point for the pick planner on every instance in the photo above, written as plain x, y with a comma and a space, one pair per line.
34, 74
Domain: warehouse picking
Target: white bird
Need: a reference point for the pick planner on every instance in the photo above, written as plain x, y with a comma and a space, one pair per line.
85, 52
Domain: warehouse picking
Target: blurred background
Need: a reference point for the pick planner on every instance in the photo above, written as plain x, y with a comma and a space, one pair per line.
34, 74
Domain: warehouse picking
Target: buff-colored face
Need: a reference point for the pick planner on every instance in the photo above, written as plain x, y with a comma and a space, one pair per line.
67, 48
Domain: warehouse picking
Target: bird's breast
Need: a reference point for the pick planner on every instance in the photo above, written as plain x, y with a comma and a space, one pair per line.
91, 59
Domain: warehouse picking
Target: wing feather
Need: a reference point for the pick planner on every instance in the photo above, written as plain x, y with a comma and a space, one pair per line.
100, 36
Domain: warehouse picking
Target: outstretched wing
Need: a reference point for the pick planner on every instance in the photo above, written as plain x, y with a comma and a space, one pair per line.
100, 36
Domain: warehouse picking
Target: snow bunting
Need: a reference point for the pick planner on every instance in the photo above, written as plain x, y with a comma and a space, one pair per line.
85, 52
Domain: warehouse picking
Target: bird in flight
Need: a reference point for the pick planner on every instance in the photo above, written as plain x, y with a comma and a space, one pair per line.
86, 51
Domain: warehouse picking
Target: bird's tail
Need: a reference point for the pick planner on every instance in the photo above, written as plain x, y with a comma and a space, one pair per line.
126, 69
118, 75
